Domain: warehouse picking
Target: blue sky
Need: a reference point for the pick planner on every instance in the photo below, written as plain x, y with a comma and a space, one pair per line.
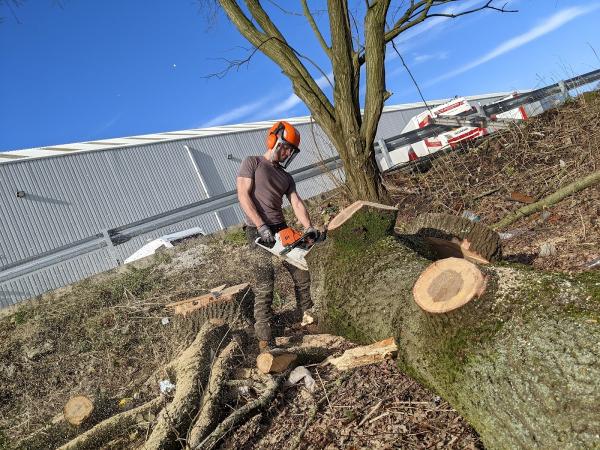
74, 71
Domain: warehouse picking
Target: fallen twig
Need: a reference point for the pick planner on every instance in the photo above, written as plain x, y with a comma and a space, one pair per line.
370, 413
551, 199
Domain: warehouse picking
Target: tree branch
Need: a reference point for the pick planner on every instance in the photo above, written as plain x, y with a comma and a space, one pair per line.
272, 44
315, 28
418, 12
375, 68
346, 77
286, 53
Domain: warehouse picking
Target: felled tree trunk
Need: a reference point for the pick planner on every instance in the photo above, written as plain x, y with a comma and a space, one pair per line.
519, 361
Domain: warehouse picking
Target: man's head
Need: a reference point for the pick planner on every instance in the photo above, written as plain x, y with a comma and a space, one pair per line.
282, 143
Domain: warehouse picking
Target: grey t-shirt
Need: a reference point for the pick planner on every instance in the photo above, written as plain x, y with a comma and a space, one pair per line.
271, 183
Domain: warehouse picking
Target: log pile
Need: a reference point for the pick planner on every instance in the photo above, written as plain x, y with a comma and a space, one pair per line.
512, 349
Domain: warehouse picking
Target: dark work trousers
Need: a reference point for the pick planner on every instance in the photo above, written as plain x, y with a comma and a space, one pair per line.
262, 262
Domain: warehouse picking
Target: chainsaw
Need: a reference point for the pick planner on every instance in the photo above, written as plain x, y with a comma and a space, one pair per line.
292, 246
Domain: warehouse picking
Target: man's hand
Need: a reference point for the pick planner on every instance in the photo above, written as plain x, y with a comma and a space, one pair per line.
312, 233
266, 235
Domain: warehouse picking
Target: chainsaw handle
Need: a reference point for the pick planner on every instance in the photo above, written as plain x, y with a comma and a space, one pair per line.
259, 242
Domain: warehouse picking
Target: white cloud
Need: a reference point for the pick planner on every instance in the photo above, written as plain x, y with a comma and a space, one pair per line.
419, 59
286, 105
236, 113
547, 26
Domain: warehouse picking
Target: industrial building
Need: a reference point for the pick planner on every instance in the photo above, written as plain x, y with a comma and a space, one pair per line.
71, 211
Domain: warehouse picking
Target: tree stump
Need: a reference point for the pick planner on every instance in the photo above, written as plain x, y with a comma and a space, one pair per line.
519, 360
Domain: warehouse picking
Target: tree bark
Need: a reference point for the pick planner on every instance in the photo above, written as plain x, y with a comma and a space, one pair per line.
457, 236
519, 362
108, 429
192, 369
214, 398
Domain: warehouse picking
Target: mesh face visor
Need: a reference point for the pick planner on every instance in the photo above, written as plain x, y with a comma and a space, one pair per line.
285, 163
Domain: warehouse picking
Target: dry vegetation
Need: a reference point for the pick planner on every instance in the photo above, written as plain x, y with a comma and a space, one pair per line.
534, 159
104, 338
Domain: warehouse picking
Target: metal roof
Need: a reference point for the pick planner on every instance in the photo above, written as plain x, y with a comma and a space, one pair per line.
122, 142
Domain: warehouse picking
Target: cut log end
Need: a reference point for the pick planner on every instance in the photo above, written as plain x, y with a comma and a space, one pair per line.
348, 212
448, 284
455, 248
78, 409
271, 362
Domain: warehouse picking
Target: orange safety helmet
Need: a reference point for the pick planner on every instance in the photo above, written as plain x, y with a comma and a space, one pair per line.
284, 133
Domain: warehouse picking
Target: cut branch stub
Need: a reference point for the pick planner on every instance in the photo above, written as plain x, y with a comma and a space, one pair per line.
452, 236
448, 284
78, 409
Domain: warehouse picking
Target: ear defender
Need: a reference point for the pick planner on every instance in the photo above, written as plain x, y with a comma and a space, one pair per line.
273, 135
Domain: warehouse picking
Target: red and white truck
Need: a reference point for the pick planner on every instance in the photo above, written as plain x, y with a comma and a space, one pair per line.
449, 139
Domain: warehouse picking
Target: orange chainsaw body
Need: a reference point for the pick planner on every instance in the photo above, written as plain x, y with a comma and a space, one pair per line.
289, 236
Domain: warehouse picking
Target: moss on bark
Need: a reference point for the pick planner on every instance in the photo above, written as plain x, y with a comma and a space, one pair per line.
520, 363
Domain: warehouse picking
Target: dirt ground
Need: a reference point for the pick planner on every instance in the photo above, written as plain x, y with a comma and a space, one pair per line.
105, 336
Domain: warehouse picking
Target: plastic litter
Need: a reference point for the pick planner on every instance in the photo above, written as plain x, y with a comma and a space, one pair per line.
547, 249
471, 216
307, 318
300, 373
164, 320
593, 263
166, 386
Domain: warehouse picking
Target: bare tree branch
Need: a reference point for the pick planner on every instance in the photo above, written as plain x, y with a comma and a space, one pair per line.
283, 10
418, 12
273, 45
345, 92
315, 28
359, 46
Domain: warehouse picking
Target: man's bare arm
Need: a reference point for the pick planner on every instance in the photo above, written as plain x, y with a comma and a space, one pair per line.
299, 209
244, 188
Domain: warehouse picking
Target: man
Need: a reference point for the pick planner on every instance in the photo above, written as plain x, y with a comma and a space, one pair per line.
261, 184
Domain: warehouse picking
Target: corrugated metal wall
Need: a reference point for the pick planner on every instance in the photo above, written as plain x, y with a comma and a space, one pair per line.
58, 233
